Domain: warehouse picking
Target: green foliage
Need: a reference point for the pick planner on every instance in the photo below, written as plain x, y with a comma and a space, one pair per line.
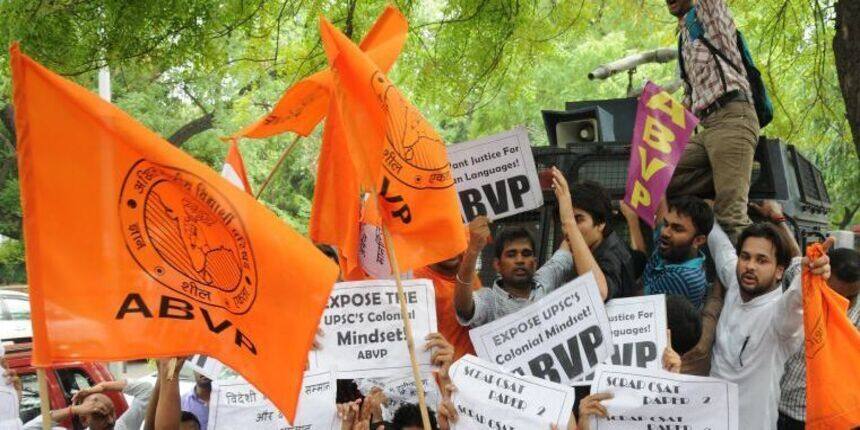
473, 67
12, 262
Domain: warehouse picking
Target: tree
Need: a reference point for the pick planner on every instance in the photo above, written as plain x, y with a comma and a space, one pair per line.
200, 69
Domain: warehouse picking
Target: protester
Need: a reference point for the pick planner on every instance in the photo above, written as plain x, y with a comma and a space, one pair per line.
685, 323
96, 411
331, 253
760, 325
718, 160
697, 361
845, 280
519, 284
594, 245
10, 376
444, 277
408, 417
676, 264
684, 332
590, 406
197, 400
164, 409
366, 412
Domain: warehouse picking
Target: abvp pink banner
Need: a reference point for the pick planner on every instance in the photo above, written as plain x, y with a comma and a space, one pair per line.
663, 128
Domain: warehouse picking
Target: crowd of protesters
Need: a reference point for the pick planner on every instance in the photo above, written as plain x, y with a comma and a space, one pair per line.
733, 292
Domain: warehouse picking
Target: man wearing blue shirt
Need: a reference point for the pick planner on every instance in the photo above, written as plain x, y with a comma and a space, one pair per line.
676, 264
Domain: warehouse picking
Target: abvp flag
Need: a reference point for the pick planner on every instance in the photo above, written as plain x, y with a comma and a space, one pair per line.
397, 154
135, 249
832, 355
233, 169
661, 132
304, 104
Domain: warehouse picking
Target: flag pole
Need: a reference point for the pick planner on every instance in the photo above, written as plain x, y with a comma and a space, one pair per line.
284, 155
171, 368
44, 399
407, 327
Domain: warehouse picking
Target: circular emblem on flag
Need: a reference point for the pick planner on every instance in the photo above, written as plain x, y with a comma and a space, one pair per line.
187, 236
414, 154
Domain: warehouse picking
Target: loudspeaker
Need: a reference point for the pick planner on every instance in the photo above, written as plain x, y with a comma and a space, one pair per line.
622, 112
588, 125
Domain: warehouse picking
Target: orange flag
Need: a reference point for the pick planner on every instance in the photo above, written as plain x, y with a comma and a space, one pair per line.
397, 155
135, 249
304, 104
832, 355
234, 168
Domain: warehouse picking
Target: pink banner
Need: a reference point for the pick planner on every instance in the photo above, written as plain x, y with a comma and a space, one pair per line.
663, 127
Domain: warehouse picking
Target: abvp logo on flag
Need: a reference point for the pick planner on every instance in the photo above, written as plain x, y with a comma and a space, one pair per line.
187, 236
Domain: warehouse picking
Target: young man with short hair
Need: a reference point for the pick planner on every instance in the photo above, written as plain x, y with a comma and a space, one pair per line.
592, 209
519, 284
845, 280
676, 264
760, 326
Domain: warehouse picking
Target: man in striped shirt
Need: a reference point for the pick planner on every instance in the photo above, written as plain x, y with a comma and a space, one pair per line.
675, 266
718, 160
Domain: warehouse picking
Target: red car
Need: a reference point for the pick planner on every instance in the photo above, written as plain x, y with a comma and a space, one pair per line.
63, 381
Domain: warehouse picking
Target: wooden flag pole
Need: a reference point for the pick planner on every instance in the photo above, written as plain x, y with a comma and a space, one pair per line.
171, 368
44, 399
284, 155
407, 327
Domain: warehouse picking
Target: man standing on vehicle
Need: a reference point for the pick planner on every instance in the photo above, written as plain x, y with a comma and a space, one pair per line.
718, 160
96, 411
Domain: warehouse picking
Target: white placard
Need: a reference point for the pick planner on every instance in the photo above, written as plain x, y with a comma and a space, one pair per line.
206, 366
658, 399
238, 405
638, 327
488, 397
561, 337
9, 409
496, 175
363, 331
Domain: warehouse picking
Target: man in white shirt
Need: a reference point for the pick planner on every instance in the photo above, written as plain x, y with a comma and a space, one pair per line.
760, 326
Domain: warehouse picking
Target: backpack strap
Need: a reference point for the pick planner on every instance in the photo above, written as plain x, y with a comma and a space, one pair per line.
719, 53
681, 61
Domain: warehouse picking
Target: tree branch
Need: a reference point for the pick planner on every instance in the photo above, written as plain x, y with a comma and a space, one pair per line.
191, 129
7, 117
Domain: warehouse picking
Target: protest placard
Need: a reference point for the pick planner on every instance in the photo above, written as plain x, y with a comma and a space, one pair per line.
638, 327
660, 135
656, 399
489, 397
363, 331
561, 337
237, 404
496, 175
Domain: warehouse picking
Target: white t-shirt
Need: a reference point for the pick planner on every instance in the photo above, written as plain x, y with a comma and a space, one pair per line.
754, 339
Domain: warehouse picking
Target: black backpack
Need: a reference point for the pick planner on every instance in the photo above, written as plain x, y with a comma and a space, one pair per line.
761, 100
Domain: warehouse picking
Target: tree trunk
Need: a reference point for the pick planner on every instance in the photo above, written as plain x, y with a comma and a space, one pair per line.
846, 50
847, 216
7, 117
191, 129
